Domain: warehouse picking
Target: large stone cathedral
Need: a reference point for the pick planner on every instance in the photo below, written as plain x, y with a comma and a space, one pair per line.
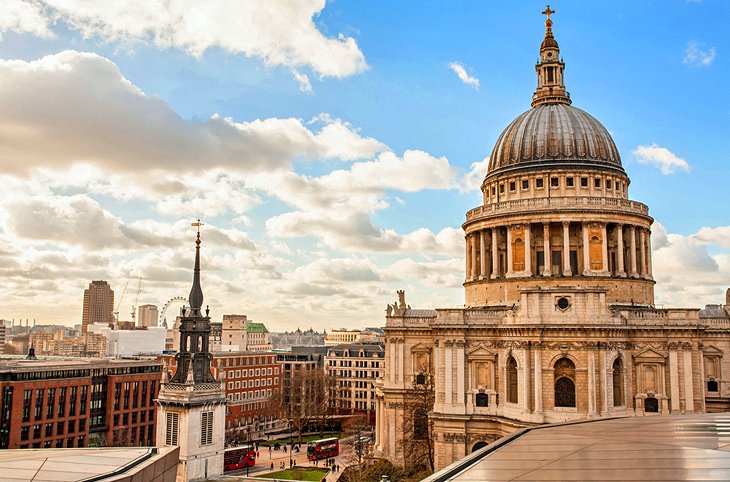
560, 322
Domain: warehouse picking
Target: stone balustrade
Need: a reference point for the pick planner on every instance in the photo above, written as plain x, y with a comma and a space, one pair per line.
551, 203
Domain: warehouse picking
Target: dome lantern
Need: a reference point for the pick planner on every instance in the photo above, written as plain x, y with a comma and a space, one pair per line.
550, 68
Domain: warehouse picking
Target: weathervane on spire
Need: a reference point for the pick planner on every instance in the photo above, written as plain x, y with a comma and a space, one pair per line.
198, 225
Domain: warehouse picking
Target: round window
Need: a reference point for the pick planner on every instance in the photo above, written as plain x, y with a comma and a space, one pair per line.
550, 54
563, 303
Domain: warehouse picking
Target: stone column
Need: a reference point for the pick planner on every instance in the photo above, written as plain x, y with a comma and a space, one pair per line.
604, 248
438, 380
495, 253
390, 367
538, 380
592, 383
620, 248
509, 252
448, 376
673, 382
525, 396
528, 250
566, 249
642, 252
482, 254
474, 240
401, 361
547, 254
460, 390
378, 423
467, 269
689, 393
648, 254
586, 250
632, 247
603, 380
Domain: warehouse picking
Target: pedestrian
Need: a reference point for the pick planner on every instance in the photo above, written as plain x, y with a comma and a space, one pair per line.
272, 466
258, 454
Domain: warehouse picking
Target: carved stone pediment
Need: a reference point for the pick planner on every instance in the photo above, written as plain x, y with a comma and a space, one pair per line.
420, 347
712, 350
649, 355
481, 353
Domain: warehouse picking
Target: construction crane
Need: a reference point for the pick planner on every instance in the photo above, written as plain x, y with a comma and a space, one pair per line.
136, 298
119, 302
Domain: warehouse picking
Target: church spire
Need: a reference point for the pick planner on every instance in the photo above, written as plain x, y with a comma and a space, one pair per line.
196, 292
550, 68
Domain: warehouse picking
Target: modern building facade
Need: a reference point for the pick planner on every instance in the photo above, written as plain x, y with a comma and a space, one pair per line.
147, 316
98, 305
560, 322
356, 367
77, 402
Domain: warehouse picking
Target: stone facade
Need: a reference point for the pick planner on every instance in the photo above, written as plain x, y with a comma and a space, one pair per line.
560, 322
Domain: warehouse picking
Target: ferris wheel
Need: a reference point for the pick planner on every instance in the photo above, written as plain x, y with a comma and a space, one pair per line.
170, 302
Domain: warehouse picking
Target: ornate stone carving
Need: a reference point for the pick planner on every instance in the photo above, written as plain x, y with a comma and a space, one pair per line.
455, 437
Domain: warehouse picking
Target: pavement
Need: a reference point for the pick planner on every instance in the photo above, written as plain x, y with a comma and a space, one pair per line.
266, 458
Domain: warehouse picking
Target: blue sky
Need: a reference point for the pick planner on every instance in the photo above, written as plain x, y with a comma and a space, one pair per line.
340, 161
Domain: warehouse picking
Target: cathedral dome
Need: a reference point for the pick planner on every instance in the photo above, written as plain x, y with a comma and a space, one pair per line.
550, 134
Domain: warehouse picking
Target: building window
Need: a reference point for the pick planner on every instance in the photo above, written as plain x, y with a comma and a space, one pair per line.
36, 431
554, 182
564, 383
597, 182
618, 386
24, 432
494, 191
172, 425
651, 404
539, 183
420, 379
512, 186
482, 400
609, 184
569, 181
49, 430
583, 182
501, 188
712, 386
206, 428
525, 184
512, 380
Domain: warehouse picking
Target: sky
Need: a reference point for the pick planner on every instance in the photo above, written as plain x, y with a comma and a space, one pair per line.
332, 148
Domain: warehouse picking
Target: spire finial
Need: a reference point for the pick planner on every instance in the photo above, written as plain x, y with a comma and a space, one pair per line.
547, 12
196, 292
548, 23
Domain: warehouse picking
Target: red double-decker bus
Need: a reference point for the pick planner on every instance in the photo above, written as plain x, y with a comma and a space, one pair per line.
239, 457
323, 449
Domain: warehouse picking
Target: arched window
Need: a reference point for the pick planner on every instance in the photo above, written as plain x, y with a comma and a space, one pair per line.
564, 383
478, 446
512, 380
618, 384
482, 400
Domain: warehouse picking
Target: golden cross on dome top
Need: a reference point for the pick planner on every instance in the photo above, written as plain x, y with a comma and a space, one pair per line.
547, 12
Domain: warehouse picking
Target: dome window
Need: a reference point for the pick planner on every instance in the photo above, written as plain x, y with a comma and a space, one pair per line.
569, 181
597, 183
609, 184
512, 186
539, 183
525, 184
501, 188
583, 182
554, 182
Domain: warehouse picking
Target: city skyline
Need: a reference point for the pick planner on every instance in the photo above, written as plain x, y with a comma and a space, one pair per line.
318, 209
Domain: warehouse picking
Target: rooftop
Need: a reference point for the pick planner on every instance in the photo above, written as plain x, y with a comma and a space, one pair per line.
19, 363
670, 447
103, 464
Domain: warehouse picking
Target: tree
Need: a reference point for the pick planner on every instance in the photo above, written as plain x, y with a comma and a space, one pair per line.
417, 437
359, 437
308, 399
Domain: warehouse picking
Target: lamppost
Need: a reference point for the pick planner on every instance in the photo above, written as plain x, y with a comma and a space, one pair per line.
291, 437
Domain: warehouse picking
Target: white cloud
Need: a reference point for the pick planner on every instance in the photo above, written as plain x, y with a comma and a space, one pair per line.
690, 271
461, 72
77, 107
304, 84
697, 55
280, 32
661, 157
475, 177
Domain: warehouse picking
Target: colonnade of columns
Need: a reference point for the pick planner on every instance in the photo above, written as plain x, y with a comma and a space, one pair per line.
593, 249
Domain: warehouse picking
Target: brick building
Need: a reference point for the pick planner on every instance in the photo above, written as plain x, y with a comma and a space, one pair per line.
253, 385
77, 402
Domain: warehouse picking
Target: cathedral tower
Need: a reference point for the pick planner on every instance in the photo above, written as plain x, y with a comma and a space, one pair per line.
192, 405
556, 208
